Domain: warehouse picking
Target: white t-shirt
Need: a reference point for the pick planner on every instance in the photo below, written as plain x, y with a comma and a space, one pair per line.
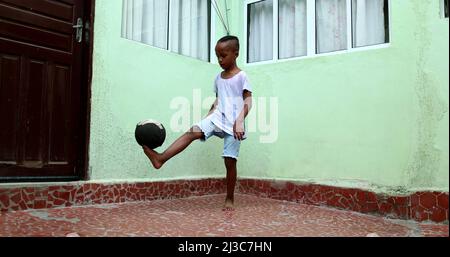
230, 100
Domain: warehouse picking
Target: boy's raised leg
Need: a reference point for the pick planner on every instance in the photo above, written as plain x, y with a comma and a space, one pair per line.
230, 164
175, 148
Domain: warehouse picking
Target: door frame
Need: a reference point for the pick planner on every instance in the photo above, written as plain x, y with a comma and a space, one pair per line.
83, 167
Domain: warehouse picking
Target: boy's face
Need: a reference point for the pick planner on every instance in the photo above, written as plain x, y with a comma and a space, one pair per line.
226, 54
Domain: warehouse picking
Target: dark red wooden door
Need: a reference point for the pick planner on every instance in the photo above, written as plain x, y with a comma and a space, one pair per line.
41, 90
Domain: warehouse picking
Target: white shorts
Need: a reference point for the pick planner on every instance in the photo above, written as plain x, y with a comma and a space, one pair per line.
231, 145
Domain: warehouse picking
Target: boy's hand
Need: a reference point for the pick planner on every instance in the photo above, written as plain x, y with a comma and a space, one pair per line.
238, 130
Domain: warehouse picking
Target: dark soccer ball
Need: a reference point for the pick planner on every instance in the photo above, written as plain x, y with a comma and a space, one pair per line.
150, 133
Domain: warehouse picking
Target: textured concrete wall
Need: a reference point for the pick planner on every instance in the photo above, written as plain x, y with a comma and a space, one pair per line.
369, 119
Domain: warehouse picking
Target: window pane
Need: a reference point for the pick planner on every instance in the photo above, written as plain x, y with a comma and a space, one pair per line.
292, 28
260, 31
446, 8
370, 23
331, 24
190, 28
146, 21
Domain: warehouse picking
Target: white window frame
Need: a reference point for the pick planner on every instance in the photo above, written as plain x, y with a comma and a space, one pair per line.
311, 34
212, 36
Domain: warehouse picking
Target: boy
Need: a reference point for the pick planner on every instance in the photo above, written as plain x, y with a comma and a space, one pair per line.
225, 118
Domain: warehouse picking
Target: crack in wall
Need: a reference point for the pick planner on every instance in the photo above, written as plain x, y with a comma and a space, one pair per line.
426, 157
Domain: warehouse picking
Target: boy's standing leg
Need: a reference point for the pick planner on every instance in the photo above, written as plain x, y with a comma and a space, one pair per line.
230, 164
230, 155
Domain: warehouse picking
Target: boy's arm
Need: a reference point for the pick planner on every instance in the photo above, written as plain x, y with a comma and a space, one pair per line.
238, 127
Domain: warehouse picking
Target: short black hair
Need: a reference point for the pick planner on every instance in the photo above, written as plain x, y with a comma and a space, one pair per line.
230, 38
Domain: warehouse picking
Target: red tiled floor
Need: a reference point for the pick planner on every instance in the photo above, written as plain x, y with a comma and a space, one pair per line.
433, 230
203, 216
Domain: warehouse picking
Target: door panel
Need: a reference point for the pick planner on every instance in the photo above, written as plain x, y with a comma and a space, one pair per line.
41, 90
62, 10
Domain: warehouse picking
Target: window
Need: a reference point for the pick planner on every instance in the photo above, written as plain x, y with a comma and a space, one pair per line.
331, 25
292, 30
146, 21
180, 26
370, 23
282, 29
260, 31
444, 8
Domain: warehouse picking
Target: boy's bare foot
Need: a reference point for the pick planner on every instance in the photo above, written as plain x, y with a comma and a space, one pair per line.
229, 205
153, 156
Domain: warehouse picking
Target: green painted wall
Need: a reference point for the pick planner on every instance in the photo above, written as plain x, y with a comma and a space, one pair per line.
132, 82
373, 119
